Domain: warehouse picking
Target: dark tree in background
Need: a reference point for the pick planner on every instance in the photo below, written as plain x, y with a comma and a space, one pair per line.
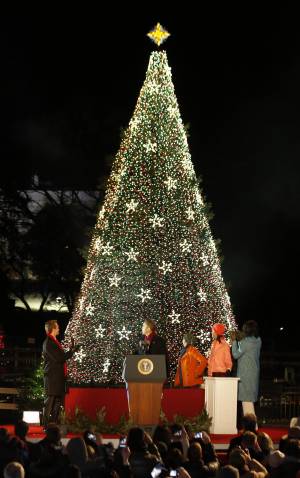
44, 234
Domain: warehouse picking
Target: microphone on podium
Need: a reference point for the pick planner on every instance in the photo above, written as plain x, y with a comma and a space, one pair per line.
143, 346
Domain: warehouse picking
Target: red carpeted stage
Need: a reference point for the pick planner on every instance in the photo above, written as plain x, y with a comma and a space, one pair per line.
188, 402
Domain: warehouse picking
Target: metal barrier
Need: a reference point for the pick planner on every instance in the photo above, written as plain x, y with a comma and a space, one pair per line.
7, 398
19, 358
282, 407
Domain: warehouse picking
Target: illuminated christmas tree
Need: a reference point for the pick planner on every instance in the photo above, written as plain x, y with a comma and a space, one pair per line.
152, 254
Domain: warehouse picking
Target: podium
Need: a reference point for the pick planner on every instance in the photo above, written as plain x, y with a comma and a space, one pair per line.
144, 376
221, 403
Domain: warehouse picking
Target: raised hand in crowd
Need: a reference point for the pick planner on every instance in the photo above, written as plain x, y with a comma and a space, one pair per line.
182, 473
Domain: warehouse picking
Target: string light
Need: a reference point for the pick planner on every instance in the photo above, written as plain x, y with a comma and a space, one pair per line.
152, 250
165, 267
174, 317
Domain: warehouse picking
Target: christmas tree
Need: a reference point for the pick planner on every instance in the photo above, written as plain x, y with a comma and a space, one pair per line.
152, 254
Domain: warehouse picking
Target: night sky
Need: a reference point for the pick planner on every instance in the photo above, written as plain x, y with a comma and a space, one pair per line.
71, 81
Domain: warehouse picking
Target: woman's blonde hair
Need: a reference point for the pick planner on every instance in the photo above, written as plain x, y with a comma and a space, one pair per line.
151, 324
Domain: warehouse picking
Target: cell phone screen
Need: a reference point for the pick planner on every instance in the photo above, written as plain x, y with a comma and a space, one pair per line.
173, 473
156, 471
198, 435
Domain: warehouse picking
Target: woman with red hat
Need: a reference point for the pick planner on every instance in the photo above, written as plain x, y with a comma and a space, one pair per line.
219, 361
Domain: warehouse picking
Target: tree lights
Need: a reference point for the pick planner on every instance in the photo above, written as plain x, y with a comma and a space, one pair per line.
152, 254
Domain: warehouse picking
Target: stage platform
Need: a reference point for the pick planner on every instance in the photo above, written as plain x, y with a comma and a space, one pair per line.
188, 402
220, 442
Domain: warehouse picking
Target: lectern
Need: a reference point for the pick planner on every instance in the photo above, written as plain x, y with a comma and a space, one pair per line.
221, 403
144, 376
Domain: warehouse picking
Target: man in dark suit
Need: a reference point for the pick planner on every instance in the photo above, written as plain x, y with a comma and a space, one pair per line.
151, 342
55, 372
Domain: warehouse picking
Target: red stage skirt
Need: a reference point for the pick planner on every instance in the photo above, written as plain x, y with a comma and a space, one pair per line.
188, 402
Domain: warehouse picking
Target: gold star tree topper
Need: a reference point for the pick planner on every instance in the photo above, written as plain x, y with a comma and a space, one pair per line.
158, 34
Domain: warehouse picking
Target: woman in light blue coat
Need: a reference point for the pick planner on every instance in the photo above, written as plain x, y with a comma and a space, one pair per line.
247, 353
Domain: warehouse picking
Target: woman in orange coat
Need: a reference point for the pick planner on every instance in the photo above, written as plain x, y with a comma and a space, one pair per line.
219, 361
191, 365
